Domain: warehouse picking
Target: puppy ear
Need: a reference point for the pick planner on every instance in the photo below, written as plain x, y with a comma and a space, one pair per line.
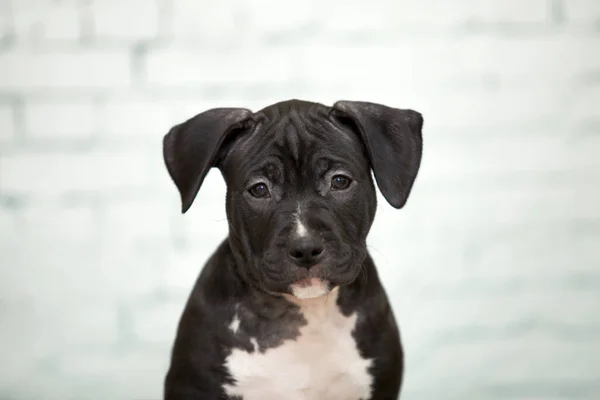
393, 141
191, 148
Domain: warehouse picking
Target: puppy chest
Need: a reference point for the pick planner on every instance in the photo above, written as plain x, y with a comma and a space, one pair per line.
323, 363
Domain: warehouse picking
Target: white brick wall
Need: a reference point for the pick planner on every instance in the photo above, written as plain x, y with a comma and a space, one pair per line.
431, 13
43, 21
136, 117
181, 67
60, 119
50, 175
492, 267
582, 11
207, 23
29, 70
111, 19
7, 123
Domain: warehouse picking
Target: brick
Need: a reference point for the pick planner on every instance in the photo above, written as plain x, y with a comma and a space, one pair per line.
60, 119
433, 12
107, 272
347, 16
125, 20
137, 224
500, 158
5, 20
492, 11
482, 110
69, 327
583, 110
183, 267
129, 271
414, 64
56, 174
7, 123
538, 266
544, 202
517, 309
77, 223
192, 20
182, 68
493, 239
22, 70
47, 20
537, 342
582, 11
98, 372
439, 12
66, 322
513, 59
491, 363
62, 237
141, 118
473, 211
8, 225
155, 322
271, 17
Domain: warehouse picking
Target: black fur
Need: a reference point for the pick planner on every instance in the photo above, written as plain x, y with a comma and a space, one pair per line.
294, 148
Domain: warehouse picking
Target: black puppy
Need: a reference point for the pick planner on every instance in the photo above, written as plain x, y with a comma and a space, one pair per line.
290, 305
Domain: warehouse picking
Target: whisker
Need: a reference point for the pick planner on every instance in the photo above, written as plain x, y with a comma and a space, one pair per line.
379, 252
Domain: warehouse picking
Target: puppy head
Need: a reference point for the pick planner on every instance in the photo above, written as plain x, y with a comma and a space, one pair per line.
300, 197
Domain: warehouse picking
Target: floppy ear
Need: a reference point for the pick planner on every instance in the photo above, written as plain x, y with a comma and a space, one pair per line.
392, 138
191, 148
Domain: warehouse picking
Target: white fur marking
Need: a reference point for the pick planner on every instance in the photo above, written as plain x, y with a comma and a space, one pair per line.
322, 363
300, 228
235, 324
315, 288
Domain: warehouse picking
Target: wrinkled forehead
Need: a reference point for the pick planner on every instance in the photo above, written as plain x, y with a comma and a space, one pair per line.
298, 141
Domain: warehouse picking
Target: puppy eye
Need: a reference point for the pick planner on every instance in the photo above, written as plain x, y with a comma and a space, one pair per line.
340, 182
259, 190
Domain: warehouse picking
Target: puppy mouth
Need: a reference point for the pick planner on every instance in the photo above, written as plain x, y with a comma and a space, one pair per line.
310, 288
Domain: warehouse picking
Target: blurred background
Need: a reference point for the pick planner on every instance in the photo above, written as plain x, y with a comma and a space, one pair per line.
493, 267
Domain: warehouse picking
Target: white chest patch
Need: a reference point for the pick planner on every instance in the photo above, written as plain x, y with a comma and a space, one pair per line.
322, 363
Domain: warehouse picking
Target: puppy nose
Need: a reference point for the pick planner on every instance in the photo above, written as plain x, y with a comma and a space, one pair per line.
306, 251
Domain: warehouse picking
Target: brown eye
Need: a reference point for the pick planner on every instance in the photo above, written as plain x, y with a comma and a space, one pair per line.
340, 182
259, 190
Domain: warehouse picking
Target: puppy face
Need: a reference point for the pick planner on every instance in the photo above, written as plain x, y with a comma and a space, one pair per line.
300, 197
300, 201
